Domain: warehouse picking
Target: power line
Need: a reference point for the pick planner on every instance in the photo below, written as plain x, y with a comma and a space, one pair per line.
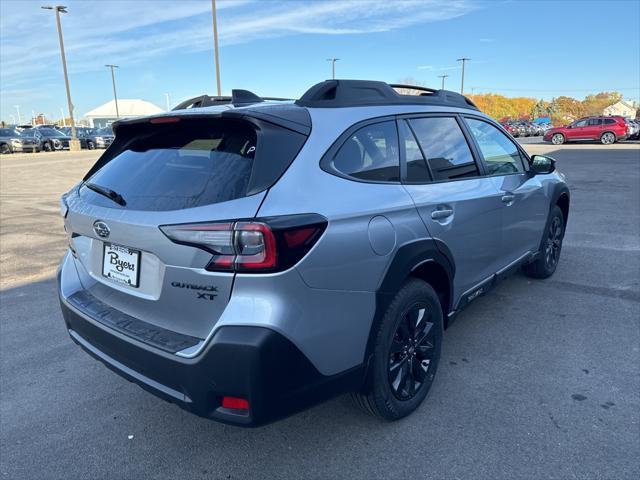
553, 89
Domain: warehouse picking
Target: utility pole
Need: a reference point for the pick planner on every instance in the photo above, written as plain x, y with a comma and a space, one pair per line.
113, 81
443, 77
166, 97
215, 45
19, 117
333, 66
463, 60
64, 120
74, 144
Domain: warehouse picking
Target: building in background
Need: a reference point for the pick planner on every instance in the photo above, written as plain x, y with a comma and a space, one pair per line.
128, 108
624, 108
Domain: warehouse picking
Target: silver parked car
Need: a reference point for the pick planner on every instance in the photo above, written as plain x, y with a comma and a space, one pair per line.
13, 141
249, 259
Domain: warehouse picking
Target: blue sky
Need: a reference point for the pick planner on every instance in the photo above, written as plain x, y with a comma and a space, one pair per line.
279, 48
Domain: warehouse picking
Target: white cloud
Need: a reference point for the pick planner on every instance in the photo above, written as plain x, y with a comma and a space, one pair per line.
432, 68
127, 32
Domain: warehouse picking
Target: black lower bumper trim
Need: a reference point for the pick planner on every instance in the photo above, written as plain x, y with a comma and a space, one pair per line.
254, 363
158, 337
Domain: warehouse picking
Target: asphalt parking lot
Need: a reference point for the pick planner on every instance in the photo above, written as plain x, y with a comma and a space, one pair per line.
539, 379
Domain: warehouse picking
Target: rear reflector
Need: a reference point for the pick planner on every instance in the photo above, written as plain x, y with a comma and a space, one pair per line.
235, 403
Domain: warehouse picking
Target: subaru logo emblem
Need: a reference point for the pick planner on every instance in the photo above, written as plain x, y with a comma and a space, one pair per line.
101, 229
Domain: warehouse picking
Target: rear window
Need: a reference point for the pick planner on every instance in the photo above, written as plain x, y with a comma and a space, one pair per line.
371, 154
178, 166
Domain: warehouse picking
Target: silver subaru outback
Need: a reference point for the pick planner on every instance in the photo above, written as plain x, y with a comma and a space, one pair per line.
246, 259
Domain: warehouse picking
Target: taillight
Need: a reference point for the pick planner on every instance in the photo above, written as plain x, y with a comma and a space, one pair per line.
262, 245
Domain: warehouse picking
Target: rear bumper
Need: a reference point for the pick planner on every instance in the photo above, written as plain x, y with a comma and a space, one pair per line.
249, 362
26, 148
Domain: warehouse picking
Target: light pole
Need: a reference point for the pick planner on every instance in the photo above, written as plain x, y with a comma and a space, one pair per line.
113, 81
18, 110
74, 144
333, 66
443, 77
215, 44
166, 97
463, 60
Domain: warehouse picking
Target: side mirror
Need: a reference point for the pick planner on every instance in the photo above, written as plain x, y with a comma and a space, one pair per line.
541, 165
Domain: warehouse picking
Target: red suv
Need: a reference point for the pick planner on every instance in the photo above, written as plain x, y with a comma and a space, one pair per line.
605, 129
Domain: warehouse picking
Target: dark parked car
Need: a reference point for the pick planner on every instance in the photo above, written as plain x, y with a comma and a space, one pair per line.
92, 138
51, 139
13, 141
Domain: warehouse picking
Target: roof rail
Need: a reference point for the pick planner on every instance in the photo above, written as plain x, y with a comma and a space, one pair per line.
352, 93
418, 88
238, 98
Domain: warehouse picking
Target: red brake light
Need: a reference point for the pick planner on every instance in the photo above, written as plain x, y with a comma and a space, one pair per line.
235, 403
165, 120
251, 246
295, 238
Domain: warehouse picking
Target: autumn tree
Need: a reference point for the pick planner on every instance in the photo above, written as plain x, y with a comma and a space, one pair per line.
566, 110
595, 104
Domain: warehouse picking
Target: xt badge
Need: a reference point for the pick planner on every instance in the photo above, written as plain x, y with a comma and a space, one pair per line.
207, 292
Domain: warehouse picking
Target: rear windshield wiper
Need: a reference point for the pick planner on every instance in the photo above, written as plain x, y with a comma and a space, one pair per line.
107, 192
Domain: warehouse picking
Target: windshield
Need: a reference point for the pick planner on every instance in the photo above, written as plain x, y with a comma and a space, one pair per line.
7, 132
50, 132
104, 131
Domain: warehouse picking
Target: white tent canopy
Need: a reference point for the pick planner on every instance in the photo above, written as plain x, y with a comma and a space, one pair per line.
126, 108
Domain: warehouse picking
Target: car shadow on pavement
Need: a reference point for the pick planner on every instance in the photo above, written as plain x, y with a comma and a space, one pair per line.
67, 414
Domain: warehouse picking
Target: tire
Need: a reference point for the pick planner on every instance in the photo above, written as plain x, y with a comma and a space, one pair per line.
90, 146
550, 247
608, 138
405, 359
47, 147
5, 149
557, 139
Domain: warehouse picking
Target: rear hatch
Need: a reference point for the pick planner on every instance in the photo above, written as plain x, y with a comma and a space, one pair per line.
190, 169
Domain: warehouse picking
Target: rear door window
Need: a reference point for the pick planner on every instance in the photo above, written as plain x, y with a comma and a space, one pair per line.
187, 165
417, 171
370, 154
443, 143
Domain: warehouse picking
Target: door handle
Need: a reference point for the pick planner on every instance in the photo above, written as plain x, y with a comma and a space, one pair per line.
508, 198
440, 214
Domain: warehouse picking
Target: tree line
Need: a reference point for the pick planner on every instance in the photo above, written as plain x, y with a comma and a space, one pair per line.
562, 110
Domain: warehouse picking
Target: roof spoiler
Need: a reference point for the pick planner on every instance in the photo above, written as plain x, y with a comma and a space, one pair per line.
238, 98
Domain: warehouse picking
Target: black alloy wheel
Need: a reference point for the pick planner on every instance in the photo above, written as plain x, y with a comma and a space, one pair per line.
412, 352
553, 244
